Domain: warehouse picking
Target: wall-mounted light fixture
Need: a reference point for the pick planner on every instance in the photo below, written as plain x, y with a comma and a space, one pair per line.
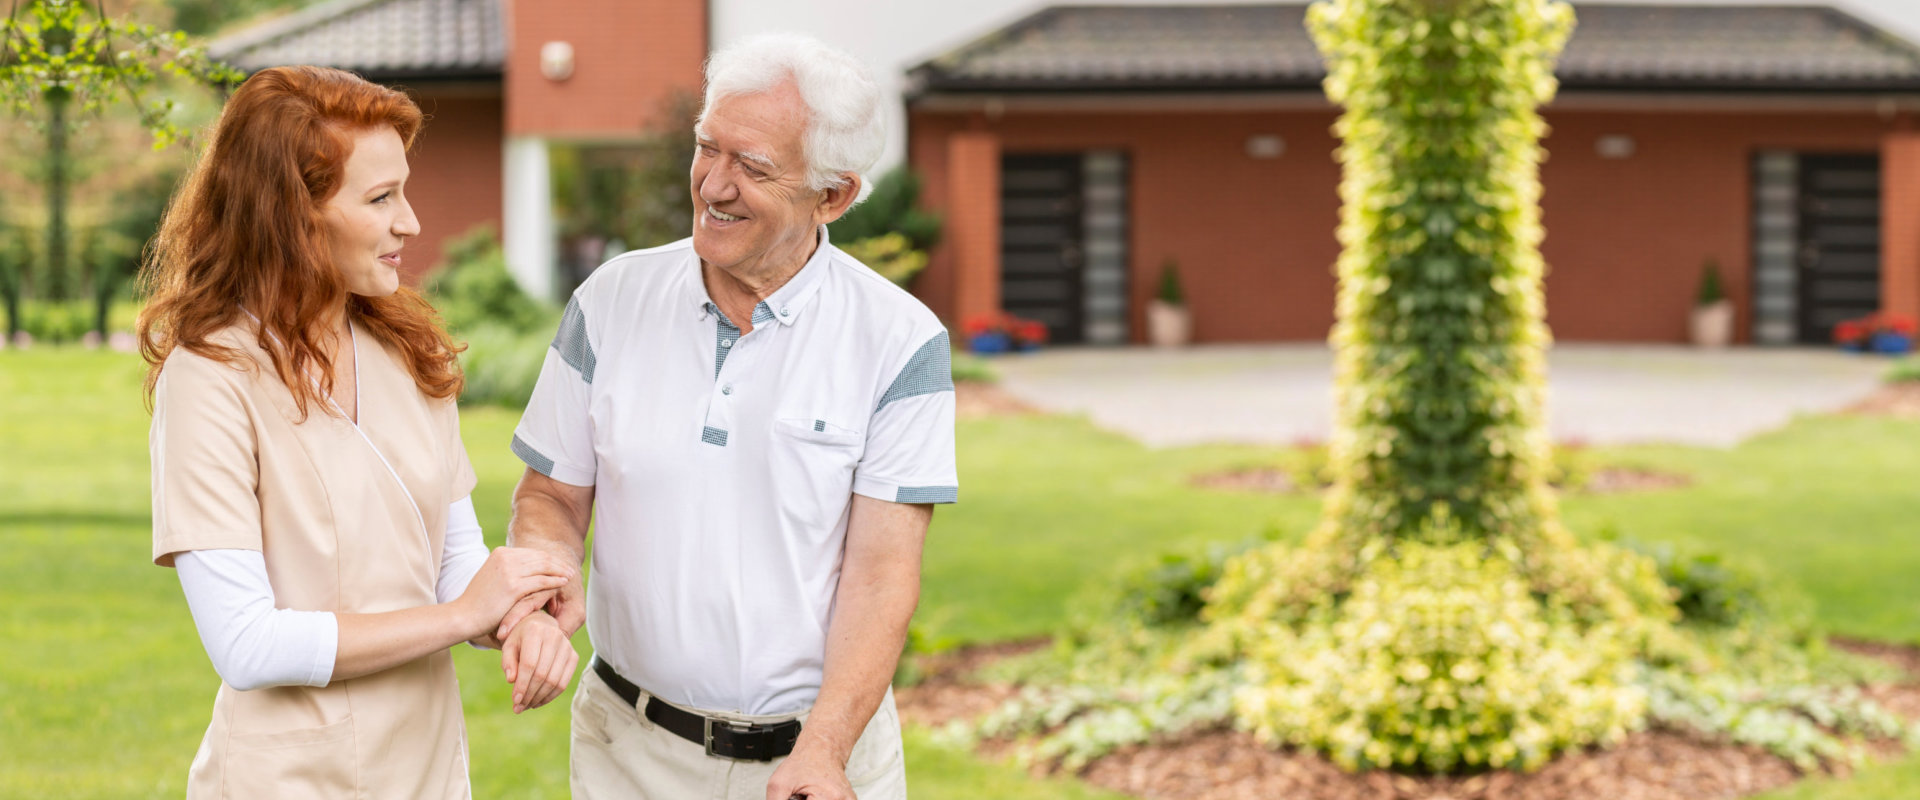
1265, 145
556, 60
1614, 146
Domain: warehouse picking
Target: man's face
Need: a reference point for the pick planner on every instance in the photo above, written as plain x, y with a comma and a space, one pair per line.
753, 212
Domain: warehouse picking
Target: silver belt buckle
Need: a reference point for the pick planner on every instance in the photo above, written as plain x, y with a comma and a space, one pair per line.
708, 733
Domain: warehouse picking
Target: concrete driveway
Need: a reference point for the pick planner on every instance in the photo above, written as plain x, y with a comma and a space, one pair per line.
1282, 394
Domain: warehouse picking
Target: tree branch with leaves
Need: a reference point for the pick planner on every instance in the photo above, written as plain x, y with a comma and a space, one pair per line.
62, 56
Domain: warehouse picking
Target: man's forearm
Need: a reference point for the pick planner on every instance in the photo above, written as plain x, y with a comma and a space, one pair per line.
863, 648
540, 523
554, 517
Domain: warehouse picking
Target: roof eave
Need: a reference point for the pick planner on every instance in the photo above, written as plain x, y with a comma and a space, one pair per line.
492, 72
1036, 87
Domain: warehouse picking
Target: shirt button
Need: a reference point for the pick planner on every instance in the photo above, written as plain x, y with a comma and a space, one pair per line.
785, 312
726, 342
727, 389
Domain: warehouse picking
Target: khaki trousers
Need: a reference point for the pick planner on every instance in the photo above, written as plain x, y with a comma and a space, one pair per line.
618, 754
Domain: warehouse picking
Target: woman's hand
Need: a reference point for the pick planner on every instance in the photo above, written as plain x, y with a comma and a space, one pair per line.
511, 573
539, 659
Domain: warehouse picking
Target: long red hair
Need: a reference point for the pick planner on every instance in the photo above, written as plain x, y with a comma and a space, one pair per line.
247, 229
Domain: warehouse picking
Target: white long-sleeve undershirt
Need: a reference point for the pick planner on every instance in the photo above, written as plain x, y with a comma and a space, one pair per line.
255, 645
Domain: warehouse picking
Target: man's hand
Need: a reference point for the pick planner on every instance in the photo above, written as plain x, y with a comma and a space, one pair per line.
811, 772
568, 607
539, 660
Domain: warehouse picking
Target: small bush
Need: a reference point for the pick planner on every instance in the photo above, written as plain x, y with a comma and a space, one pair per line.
475, 289
893, 207
1171, 589
1710, 589
920, 644
971, 368
892, 255
1904, 370
55, 322
1170, 291
506, 330
502, 365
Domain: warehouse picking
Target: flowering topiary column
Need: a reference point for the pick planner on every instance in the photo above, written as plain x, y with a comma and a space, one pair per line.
1439, 618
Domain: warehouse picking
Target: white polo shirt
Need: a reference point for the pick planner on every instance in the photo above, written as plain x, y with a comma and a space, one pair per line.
723, 465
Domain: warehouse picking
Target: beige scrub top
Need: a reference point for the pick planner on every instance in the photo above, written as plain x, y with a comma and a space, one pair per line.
349, 518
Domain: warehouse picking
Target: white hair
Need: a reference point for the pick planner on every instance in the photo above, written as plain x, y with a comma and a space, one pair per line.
846, 129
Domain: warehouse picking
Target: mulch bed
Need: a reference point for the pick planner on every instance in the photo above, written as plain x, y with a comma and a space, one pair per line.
1892, 400
1617, 480
1606, 480
1265, 480
1230, 765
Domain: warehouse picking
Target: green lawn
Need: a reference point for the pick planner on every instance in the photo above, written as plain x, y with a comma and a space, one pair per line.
107, 688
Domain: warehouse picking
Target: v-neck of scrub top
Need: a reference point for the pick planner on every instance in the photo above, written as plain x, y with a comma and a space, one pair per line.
360, 413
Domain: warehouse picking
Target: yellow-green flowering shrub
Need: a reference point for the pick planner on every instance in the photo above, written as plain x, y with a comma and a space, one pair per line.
1440, 618
1440, 658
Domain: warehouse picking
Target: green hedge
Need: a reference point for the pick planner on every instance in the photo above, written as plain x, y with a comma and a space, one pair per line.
505, 329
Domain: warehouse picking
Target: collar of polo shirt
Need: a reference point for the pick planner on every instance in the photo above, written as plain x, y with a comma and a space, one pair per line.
787, 302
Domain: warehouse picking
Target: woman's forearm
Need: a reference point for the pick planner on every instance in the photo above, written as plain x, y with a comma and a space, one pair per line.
370, 643
254, 645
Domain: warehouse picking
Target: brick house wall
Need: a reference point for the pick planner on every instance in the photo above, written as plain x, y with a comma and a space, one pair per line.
1255, 238
628, 56
455, 181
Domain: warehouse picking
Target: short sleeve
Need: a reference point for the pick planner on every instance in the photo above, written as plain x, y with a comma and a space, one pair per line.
205, 459
555, 436
910, 449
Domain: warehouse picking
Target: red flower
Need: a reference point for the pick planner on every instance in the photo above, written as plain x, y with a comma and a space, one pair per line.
980, 324
1859, 331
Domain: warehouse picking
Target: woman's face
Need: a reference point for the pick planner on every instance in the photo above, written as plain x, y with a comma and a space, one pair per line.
369, 217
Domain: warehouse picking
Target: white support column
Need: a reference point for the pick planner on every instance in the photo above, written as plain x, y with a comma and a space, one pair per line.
529, 234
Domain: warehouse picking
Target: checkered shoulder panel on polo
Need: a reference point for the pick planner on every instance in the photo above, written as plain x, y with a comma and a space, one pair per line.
929, 371
927, 494
540, 463
571, 341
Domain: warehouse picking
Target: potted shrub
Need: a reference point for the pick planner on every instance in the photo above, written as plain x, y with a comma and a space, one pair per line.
1169, 323
1712, 321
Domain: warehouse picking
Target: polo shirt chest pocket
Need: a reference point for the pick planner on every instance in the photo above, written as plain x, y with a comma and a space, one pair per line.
815, 459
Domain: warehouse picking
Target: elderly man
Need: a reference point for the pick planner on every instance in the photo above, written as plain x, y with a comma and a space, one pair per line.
762, 424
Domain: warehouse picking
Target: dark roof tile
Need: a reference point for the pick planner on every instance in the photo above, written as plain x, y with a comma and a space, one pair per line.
378, 38
1081, 48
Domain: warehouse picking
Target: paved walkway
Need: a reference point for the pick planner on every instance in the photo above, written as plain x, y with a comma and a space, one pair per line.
1281, 394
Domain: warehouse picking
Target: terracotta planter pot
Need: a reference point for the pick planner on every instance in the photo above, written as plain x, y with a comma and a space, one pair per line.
1168, 325
1712, 325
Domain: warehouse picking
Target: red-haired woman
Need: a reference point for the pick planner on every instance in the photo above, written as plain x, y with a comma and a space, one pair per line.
309, 481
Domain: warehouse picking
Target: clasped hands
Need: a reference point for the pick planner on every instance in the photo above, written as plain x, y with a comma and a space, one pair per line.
527, 603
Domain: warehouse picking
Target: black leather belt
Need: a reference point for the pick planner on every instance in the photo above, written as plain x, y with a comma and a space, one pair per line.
724, 738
